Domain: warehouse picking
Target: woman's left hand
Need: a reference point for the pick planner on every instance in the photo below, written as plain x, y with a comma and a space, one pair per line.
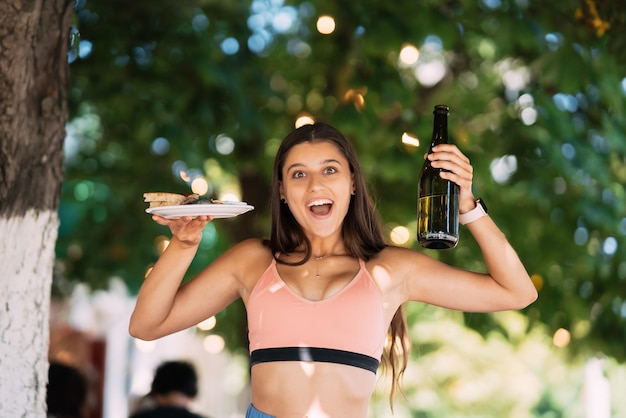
459, 170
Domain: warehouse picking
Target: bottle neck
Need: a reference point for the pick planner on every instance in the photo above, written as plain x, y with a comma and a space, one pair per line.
440, 129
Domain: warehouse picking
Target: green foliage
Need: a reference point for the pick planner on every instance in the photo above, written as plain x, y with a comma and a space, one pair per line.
456, 372
534, 83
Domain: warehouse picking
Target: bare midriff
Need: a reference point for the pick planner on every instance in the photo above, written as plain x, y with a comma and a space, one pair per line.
290, 389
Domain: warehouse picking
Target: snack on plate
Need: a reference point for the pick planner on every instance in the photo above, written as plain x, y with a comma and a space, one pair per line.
157, 199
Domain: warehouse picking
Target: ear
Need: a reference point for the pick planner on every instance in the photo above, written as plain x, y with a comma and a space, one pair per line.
281, 189
353, 186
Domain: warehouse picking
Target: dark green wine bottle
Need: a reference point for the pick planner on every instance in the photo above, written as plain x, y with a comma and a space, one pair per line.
437, 199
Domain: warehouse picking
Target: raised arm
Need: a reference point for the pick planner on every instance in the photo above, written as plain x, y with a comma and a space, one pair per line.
163, 305
505, 286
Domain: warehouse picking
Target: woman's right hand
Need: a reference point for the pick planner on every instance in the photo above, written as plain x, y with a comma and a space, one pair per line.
187, 229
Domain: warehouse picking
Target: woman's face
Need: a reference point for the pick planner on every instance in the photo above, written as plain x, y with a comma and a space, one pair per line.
317, 185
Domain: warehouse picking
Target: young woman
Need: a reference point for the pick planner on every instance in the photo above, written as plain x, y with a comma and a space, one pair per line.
324, 295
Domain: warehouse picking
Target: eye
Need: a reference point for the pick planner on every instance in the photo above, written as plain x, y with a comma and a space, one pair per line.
298, 174
330, 170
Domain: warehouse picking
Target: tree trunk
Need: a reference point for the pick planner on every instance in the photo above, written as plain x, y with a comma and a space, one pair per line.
34, 37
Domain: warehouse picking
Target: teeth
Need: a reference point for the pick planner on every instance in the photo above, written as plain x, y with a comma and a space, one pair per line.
320, 202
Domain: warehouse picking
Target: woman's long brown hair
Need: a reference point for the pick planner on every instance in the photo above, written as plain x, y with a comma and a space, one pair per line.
361, 231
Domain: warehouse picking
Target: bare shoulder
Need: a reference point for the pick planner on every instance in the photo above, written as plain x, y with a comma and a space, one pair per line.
394, 258
250, 259
391, 268
399, 264
253, 245
247, 252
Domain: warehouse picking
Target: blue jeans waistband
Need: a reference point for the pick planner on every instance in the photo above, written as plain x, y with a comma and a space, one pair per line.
252, 412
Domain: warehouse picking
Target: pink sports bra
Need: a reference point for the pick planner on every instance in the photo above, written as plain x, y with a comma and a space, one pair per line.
346, 328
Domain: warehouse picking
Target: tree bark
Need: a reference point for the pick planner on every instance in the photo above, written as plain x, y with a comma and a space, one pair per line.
34, 38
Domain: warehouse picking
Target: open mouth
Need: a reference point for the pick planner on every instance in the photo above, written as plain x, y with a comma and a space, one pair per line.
320, 207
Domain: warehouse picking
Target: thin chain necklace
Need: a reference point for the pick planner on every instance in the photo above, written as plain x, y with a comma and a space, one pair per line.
319, 258
317, 265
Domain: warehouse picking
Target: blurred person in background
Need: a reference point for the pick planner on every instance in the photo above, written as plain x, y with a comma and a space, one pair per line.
67, 391
174, 388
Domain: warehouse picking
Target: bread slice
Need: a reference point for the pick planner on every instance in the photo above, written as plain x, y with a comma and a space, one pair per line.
157, 199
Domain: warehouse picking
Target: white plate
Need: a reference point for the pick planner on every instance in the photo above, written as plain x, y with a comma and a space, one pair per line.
219, 210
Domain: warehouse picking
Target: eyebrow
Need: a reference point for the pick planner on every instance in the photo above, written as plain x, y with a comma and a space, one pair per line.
323, 162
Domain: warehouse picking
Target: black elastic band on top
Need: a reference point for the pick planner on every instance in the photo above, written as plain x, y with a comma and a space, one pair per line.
326, 355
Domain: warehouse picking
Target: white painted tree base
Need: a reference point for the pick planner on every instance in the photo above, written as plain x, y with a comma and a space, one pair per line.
27, 246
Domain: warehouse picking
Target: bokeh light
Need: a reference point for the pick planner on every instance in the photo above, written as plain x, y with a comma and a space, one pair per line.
180, 170
528, 116
400, 235
200, 22
284, 19
230, 196
325, 25
224, 144
200, 186
84, 48
409, 55
553, 40
503, 168
83, 190
431, 73
356, 96
268, 18
568, 151
561, 338
160, 146
304, 119
565, 102
537, 280
516, 78
213, 344
230, 46
431, 67
410, 139
256, 43
609, 247
208, 324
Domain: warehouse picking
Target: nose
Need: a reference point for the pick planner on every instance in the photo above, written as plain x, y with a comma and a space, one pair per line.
315, 182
